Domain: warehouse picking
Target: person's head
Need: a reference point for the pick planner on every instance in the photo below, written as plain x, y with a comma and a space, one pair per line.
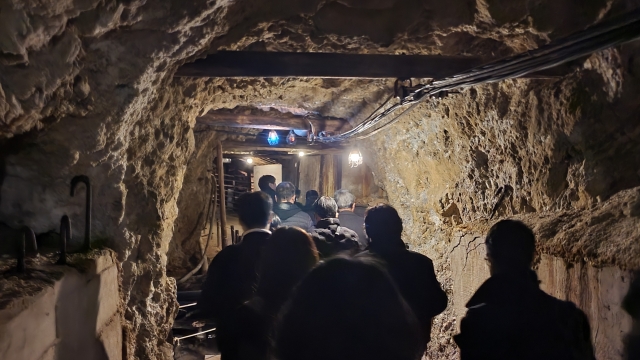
267, 183
276, 222
287, 257
346, 201
510, 246
382, 224
348, 308
325, 207
254, 210
286, 192
310, 197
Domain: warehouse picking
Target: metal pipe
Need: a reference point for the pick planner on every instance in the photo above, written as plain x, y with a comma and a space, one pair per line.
233, 235
222, 197
65, 234
193, 335
87, 224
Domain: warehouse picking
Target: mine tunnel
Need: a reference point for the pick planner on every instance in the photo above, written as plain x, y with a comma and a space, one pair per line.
134, 136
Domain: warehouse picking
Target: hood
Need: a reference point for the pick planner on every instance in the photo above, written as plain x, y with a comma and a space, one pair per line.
286, 210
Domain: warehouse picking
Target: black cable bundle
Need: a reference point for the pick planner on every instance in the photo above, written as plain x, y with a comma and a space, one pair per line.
601, 36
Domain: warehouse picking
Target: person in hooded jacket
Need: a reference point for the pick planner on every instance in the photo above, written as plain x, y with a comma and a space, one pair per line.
329, 236
286, 209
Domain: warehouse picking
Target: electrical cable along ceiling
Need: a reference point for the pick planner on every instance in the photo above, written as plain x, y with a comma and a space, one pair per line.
601, 36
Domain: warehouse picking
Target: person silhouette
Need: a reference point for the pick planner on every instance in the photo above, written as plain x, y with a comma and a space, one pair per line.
509, 317
346, 309
412, 272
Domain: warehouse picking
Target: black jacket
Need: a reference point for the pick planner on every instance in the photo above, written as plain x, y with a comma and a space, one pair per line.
415, 277
232, 275
509, 317
331, 238
291, 215
355, 222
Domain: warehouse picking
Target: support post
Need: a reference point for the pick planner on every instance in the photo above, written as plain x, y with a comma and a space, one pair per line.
222, 196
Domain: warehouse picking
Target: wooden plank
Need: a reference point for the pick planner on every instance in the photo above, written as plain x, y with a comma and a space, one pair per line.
245, 64
275, 120
309, 174
222, 197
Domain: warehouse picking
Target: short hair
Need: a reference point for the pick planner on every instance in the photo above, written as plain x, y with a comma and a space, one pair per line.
285, 190
265, 180
285, 259
311, 194
325, 207
275, 221
344, 199
331, 315
382, 222
511, 244
254, 209
298, 192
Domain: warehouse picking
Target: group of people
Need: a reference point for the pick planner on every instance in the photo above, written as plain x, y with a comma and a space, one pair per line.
314, 289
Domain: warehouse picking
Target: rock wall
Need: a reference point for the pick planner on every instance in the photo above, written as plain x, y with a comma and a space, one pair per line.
564, 154
86, 87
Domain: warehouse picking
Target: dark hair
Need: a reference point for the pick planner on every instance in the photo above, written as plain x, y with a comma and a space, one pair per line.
264, 181
344, 199
511, 244
325, 207
276, 222
285, 191
254, 209
298, 192
311, 194
348, 309
286, 258
382, 222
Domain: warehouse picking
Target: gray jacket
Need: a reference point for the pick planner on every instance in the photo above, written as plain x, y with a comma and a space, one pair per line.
292, 215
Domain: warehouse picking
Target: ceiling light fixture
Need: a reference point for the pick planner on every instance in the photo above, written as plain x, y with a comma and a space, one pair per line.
355, 158
273, 138
291, 138
249, 161
301, 154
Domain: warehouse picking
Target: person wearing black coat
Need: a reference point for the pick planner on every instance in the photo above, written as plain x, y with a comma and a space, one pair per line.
286, 209
509, 317
412, 272
232, 273
331, 238
346, 202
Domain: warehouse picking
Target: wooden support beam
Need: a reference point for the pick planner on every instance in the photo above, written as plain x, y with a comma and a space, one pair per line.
275, 120
245, 64
222, 198
240, 146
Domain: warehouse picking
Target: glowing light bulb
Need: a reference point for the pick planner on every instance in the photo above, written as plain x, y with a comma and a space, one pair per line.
291, 138
355, 158
249, 161
301, 153
273, 138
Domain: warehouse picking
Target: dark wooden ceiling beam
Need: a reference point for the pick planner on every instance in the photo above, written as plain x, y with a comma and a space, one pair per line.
275, 120
261, 148
244, 64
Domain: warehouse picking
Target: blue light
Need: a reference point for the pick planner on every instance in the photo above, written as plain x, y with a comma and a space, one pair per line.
273, 138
